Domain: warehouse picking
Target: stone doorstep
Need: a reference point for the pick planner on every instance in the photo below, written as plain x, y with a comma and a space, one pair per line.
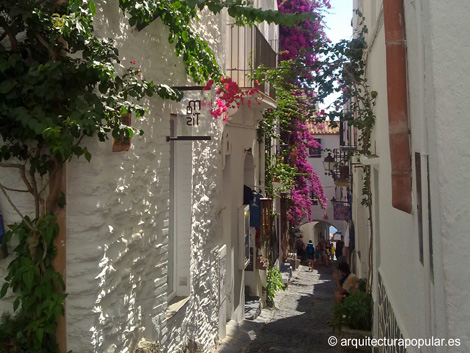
252, 307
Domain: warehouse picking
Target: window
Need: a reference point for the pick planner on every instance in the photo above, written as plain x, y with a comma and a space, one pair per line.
315, 152
179, 243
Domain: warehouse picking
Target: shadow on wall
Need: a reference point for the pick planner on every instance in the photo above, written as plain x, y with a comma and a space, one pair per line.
197, 322
118, 216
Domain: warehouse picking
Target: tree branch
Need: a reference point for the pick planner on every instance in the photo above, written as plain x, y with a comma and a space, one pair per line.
14, 207
15, 190
11, 35
45, 44
11, 165
22, 168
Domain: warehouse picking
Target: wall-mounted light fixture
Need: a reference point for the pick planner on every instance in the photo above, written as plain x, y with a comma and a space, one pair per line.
329, 164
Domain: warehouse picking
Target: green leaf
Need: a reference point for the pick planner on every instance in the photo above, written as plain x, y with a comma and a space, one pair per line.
91, 6
16, 303
4, 290
39, 334
61, 200
28, 278
87, 155
6, 86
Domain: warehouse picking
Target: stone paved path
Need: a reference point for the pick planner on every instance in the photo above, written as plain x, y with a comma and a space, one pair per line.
298, 324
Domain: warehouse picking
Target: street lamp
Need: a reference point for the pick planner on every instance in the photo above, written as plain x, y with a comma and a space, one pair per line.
329, 164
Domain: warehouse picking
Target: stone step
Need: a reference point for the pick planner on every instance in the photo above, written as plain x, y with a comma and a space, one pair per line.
252, 307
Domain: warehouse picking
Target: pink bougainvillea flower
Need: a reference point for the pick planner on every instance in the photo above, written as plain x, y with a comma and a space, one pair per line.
208, 85
228, 95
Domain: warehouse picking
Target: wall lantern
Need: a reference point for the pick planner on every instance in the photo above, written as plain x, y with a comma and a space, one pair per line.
329, 164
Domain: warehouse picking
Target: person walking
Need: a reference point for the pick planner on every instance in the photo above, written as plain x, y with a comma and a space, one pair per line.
310, 252
300, 248
339, 250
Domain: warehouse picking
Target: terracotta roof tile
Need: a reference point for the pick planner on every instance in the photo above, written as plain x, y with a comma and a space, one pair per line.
324, 128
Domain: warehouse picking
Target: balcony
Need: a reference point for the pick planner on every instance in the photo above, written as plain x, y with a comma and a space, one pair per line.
247, 50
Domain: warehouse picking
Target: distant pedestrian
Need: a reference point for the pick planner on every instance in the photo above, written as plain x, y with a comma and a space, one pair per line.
332, 252
300, 248
326, 253
339, 249
310, 252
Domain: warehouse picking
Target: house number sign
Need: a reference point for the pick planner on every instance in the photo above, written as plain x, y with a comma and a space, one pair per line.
193, 110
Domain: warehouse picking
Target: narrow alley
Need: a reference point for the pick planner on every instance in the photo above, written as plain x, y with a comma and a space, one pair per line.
297, 324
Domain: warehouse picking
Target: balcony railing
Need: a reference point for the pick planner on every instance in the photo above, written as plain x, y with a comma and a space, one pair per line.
340, 172
249, 49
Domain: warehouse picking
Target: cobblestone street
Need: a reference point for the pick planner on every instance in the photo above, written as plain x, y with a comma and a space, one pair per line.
297, 324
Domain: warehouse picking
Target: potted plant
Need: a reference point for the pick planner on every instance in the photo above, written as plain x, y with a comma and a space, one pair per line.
353, 316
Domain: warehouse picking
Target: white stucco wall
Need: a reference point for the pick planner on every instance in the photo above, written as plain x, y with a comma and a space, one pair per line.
118, 216
447, 111
241, 134
396, 244
437, 110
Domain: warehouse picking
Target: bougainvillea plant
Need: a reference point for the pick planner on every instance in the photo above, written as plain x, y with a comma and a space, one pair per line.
229, 95
301, 47
289, 124
303, 42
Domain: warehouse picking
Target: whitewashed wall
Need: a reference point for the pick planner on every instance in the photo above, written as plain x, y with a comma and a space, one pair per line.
118, 216
329, 142
396, 254
118, 291
240, 133
446, 109
438, 109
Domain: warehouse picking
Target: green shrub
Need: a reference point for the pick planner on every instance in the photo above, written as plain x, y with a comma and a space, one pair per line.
273, 284
355, 311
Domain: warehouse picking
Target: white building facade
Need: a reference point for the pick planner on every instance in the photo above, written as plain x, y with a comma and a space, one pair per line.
327, 136
418, 172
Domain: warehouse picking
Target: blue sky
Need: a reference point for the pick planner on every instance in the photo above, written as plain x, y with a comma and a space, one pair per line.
338, 26
339, 20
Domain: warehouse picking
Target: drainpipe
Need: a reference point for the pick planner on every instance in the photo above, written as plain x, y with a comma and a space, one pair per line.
397, 98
